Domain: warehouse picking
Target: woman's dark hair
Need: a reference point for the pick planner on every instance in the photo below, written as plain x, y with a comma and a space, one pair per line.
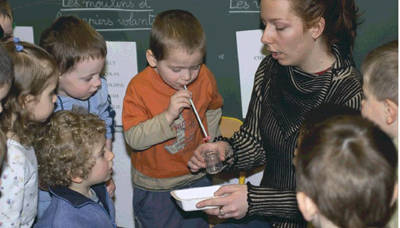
340, 19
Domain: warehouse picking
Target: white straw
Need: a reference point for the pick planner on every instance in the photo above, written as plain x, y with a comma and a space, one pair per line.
197, 116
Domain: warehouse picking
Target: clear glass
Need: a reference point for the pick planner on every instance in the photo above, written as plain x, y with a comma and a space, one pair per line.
213, 163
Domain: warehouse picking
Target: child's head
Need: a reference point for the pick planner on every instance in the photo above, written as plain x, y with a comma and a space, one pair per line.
6, 75
6, 20
31, 98
72, 149
177, 47
345, 173
80, 53
380, 72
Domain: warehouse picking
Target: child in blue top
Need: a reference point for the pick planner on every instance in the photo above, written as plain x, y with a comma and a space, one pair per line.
80, 54
73, 164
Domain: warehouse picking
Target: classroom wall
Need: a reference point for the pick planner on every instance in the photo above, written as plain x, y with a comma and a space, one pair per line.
130, 20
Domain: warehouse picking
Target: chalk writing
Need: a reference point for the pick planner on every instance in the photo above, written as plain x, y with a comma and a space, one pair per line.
244, 6
133, 20
121, 4
111, 15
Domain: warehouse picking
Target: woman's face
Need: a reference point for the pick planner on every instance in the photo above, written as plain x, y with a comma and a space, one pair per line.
285, 36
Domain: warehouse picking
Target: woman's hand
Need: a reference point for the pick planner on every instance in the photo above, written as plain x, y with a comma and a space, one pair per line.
197, 161
231, 201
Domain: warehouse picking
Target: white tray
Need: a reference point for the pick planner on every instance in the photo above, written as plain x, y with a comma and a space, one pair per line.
189, 197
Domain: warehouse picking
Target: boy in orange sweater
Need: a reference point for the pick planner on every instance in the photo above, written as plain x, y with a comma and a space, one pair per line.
159, 124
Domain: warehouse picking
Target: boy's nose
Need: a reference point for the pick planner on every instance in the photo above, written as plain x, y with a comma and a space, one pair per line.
97, 82
186, 75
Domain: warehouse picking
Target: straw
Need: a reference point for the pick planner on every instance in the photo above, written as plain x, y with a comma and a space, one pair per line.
197, 116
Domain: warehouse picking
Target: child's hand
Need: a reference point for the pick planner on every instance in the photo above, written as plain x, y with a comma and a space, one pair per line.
110, 186
177, 103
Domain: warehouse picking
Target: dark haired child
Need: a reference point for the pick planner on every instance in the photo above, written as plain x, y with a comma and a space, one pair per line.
159, 123
345, 173
380, 103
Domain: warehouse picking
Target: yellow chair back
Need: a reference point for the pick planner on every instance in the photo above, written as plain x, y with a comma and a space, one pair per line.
228, 126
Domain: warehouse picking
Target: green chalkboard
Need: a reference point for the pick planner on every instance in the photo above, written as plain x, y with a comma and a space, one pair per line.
130, 20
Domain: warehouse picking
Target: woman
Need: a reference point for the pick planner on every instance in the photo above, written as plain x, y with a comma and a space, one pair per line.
310, 64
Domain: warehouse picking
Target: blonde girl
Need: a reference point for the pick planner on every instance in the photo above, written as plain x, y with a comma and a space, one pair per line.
29, 103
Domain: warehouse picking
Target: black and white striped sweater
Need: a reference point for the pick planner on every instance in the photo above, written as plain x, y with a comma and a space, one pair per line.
280, 98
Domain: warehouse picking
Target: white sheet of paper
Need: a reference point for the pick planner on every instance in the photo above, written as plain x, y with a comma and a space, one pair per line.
121, 66
24, 33
250, 53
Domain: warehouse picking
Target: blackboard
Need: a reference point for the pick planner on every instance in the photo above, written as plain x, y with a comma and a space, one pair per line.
130, 20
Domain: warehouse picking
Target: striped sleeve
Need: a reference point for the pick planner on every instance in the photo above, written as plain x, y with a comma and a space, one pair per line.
271, 202
246, 142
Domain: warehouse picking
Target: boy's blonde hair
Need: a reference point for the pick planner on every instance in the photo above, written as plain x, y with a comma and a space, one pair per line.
176, 29
65, 147
347, 166
380, 71
71, 40
34, 69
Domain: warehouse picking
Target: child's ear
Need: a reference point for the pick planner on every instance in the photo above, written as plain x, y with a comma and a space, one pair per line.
395, 194
318, 28
150, 58
76, 180
306, 206
391, 110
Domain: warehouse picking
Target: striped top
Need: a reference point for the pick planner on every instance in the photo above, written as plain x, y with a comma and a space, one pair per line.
280, 98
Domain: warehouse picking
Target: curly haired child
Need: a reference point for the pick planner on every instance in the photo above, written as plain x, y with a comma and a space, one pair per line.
73, 162
80, 53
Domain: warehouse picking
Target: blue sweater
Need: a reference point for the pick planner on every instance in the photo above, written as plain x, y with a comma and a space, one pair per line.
71, 209
98, 104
